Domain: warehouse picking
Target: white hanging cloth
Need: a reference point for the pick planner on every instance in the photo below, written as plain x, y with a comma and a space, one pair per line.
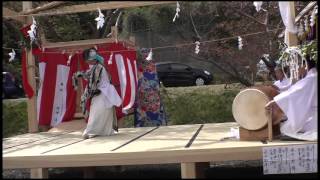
12, 55
100, 19
287, 18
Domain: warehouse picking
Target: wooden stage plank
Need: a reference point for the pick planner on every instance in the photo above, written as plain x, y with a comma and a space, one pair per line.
101, 145
29, 139
44, 145
166, 138
63, 128
161, 146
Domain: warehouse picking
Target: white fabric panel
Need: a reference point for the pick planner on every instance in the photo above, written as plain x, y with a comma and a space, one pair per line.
60, 96
122, 74
42, 68
288, 20
133, 86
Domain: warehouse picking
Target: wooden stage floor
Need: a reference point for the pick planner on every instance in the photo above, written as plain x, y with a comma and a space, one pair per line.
64, 146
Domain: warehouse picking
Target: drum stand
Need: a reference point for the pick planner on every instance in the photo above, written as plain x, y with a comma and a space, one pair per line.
270, 134
266, 133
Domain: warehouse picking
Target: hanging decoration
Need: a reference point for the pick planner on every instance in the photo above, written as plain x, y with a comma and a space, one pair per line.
258, 5
197, 49
149, 57
240, 43
300, 31
177, 12
110, 58
12, 55
291, 58
312, 18
32, 32
100, 19
69, 59
306, 23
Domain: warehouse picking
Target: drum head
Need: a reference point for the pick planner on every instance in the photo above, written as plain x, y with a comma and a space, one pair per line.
248, 109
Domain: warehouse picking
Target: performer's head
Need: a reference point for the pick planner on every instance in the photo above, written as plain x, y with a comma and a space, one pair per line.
91, 56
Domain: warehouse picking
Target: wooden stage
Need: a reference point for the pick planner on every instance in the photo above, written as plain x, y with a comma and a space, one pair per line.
190, 145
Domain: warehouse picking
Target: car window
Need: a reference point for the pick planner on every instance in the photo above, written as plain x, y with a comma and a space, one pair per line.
179, 66
162, 67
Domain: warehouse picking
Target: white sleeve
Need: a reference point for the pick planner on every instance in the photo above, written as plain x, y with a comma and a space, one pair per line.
296, 102
109, 91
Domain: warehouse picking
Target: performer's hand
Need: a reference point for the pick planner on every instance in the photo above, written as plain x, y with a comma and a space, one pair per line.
97, 92
269, 105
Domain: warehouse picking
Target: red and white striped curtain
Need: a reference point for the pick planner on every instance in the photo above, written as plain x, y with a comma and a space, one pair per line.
56, 98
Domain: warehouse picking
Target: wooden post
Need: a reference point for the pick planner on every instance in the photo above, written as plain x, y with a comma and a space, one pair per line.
193, 170
31, 103
291, 38
32, 111
270, 134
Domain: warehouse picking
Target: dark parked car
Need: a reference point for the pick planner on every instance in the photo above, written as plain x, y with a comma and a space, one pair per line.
177, 74
10, 87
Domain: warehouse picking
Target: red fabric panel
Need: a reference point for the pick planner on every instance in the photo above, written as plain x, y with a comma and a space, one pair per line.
26, 86
25, 30
71, 93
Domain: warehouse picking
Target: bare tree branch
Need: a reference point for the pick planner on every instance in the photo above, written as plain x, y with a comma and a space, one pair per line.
247, 15
194, 27
235, 75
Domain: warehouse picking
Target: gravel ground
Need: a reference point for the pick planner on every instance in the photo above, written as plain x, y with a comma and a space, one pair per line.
220, 170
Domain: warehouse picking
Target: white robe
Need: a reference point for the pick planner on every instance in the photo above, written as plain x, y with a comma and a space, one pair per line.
283, 85
101, 113
300, 103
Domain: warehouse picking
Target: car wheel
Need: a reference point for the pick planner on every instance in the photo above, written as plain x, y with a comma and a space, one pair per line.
199, 81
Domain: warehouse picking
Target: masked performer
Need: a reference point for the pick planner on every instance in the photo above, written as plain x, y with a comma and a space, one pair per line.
99, 97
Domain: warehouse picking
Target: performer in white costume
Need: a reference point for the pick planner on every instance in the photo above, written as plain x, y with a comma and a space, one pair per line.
103, 95
300, 103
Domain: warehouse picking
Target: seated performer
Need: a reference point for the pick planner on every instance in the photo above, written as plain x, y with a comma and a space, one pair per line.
100, 96
299, 103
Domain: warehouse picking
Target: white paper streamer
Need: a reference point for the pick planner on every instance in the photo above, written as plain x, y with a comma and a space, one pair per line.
12, 55
149, 58
100, 19
306, 23
32, 32
258, 5
110, 58
177, 12
69, 59
240, 43
197, 49
300, 30
312, 19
